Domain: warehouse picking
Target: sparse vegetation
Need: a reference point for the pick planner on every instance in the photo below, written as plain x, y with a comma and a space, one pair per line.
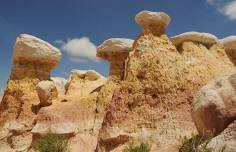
143, 147
196, 144
51, 143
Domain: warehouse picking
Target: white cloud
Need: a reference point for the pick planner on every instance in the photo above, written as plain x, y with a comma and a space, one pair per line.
79, 49
226, 7
230, 10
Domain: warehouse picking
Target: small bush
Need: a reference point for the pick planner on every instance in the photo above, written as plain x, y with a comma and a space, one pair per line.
196, 144
143, 147
51, 143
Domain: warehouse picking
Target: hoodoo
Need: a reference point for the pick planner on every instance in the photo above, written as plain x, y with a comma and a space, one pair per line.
33, 60
153, 102
115, 50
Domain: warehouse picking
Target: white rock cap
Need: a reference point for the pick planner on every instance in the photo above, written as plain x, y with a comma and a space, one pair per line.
229, 42
204, 38
147, 18
32, 49
114, 46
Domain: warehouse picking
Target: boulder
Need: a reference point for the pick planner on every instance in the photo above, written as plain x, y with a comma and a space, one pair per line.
115, 50
204, 38
47, 91
213, 107
60, 84
225, 141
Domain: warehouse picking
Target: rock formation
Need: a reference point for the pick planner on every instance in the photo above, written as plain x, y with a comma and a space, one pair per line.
82, 83
60, 84
76, 117
115, 50
214, 106
230, 47
47, 91
33, 60
153, 102
225, 141
154, 22
146, 98
204, 38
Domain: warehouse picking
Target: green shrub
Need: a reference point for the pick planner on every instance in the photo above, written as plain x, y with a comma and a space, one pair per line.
196, 144
51, 143
143, 147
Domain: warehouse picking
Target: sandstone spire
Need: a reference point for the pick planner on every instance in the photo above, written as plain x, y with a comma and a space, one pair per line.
33, 59
115, 50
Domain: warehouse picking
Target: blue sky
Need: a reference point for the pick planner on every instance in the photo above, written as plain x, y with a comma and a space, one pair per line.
78, 26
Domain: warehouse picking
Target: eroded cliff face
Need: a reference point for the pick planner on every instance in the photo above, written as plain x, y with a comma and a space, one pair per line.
153, 102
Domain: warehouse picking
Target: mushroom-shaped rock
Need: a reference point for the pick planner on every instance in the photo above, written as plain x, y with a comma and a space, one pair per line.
154, 21
47, 91
32, 49
214, 106
60, 84
115, 50
204, 38
229, 42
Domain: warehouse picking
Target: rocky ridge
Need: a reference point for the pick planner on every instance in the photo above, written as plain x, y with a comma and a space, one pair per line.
155, 87
162, 76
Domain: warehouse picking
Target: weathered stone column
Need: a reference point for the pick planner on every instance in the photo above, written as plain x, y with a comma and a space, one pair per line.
33, 59
115, 50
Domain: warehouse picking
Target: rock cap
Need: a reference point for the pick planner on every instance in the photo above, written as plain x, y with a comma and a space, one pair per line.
229, 42
32, 49
147, 18
114, 46
204, 38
